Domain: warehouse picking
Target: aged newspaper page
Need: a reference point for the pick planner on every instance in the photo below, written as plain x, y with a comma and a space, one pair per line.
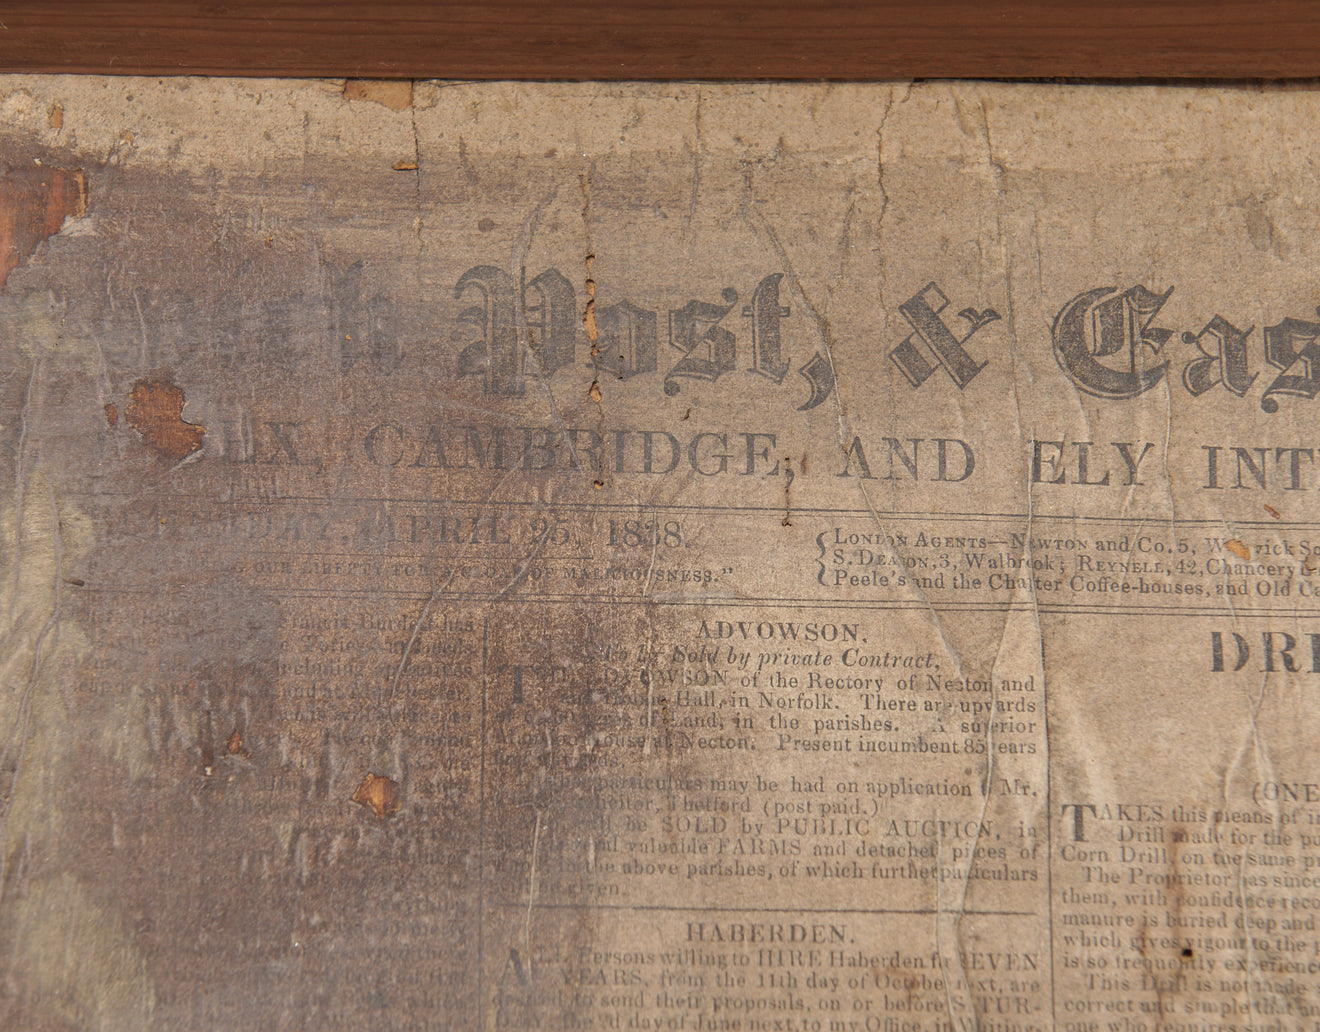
771, 558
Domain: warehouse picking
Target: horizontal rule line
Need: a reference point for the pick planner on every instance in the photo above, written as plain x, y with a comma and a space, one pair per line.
666, 908
514, 554
742, 602
192, 502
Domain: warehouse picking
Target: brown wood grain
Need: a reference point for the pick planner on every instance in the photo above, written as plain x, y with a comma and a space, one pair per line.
674, 39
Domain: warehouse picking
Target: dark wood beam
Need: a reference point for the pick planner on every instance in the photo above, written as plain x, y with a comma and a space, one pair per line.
674, 39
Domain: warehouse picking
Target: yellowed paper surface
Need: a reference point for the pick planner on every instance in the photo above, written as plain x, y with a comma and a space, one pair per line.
659, 557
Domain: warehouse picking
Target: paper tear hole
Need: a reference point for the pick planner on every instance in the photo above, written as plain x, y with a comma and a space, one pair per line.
155, 411
395, 94
380, 794
1238, 548
34, 202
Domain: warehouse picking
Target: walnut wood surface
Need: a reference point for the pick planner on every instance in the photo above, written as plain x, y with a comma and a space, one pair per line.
675, 39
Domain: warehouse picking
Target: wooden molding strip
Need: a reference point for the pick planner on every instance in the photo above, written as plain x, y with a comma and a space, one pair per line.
673, 39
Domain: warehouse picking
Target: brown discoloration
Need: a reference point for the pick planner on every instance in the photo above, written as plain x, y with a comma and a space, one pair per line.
235, 744
34, 202
404, 165
395, 94
55, 117
207, 747
1274, 512
787, 521
155, 411
380, 794
111, 414
1238, 548
589, 317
